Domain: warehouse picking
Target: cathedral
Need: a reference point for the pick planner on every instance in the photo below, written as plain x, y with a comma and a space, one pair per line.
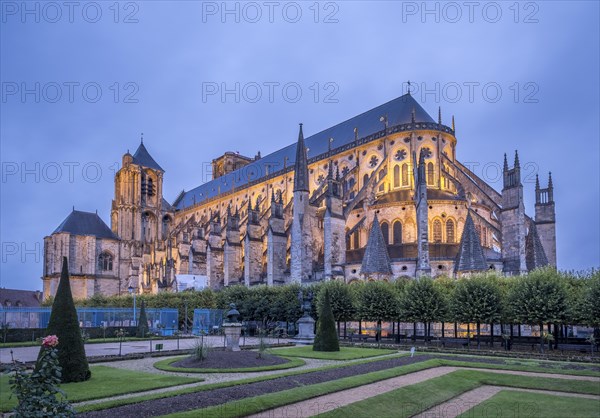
377, 197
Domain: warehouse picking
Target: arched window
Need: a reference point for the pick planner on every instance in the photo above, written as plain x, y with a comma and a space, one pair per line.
355, 241
105, 262
385, 229
430, 178
365, 179
437, 231
450, 231
405, 174
382, 174
397, 233
396, 176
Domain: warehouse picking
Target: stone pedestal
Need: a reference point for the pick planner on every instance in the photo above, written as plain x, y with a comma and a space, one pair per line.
306, 326
232, 336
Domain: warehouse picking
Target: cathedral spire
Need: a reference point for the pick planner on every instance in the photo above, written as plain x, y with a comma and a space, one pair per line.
421, 169
505, 163
550, 185
470, 255
439, 115
537, 182
376, 259
453, 125
517, 164
535, 256
301, 165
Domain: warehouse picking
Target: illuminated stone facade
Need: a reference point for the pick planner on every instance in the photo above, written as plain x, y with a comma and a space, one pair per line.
304, 213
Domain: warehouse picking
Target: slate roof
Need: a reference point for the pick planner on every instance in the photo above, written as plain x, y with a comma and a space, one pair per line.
535, 256
376, 258
398, 111
16, 297
85, 223
470, 253
142, 157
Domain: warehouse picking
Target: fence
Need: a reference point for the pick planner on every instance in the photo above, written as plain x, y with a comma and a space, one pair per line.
207, 321
163, 321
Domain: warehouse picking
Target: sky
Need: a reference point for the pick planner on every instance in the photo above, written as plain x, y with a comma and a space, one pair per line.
81, 81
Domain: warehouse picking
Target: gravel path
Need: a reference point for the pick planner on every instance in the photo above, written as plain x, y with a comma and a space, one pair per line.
326, 403
461, 404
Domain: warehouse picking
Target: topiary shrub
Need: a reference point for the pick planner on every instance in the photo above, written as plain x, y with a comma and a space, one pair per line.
142, 326
326, 338
65, 325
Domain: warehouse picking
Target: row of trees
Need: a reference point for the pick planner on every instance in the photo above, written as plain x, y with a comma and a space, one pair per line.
542, 297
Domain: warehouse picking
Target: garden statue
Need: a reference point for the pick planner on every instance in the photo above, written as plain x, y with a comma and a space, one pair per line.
232, 314
306, 324
232, 328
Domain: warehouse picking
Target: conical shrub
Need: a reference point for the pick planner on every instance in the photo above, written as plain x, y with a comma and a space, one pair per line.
142, 326
65, 325
326, 338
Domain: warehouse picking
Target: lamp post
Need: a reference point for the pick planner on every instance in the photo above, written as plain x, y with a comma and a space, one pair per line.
130, 289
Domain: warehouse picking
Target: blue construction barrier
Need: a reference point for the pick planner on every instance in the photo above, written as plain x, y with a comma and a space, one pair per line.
207, 321
163, 321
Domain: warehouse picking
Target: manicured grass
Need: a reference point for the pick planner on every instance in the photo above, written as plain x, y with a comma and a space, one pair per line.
272, 400
403, 402
525, 367
132, 400
512, 404
326, 386
105, 381
166, 366
411, 400
345, 353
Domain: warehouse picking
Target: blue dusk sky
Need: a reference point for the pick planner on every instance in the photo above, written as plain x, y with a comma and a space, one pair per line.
81, 82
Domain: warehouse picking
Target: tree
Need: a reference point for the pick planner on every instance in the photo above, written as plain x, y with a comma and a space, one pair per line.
286, 306
142, 326
591, 302
539, 298
65, 325
477, 299
342, 301
423, 302
376, 301
326, 338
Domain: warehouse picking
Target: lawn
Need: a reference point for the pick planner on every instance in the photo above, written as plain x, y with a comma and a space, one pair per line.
265, 402
508, 403
403, 402
413, 399
105, 381
345, 353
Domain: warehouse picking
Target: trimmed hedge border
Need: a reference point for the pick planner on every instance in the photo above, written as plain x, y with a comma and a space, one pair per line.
165, 365
474, 352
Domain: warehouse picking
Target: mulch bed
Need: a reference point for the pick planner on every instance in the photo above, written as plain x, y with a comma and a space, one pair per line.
230, 360
213, 397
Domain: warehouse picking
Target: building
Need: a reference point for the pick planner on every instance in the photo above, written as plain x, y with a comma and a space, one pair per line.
379, 196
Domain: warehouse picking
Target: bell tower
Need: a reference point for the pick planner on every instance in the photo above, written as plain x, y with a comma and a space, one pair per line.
138, 203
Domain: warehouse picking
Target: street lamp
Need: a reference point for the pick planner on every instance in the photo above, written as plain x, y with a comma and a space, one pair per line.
130, 289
